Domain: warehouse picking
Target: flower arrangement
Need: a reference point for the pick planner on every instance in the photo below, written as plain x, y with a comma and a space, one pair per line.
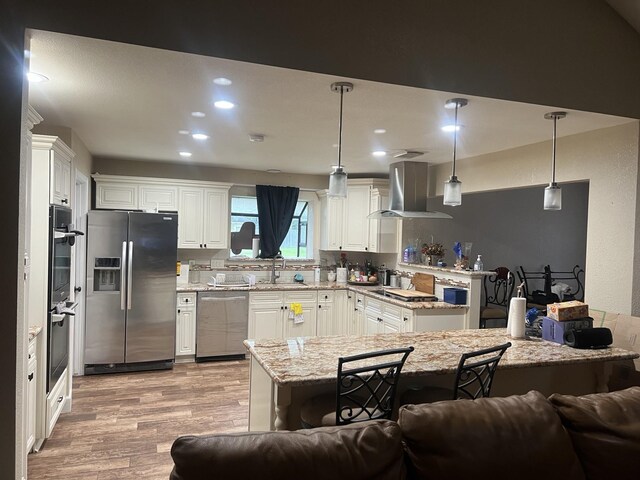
433, 249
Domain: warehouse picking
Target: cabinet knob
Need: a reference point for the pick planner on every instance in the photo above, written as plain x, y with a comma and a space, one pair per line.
286, 308
405, 319
281, 308
64, 200
379, 319
319, 306
60, 399
205, 245
200, 245
178, 310
30, 377
366, 248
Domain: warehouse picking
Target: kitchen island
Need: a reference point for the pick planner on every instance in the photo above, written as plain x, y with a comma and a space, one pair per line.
285, 373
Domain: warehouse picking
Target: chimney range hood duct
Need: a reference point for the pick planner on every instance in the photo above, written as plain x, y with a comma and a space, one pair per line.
408, 192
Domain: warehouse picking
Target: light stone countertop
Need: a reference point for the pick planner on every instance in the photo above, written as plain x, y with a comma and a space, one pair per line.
34, 331
314, 360
366, 290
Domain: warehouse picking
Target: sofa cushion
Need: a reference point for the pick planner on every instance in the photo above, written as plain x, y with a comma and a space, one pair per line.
359, 451
605, 430
499, 438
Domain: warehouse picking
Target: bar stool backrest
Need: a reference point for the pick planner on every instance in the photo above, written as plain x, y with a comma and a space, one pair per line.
367, 392
476, 370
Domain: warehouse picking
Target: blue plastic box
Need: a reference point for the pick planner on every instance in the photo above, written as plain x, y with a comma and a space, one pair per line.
456, 296
554, 331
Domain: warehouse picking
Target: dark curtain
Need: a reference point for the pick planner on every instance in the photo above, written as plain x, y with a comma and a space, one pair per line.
276, 206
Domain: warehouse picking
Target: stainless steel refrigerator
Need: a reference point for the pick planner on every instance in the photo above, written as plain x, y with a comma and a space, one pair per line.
131, 291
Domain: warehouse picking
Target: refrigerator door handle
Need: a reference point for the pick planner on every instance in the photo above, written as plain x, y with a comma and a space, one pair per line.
129, 275
123, 277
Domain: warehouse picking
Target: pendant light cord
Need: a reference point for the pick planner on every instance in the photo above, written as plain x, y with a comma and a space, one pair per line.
553, 157
340, 129
455, 139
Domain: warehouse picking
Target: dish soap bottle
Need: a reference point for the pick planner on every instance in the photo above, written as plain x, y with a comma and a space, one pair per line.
478, 266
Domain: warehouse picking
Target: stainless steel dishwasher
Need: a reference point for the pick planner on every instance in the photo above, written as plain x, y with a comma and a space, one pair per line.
221, 325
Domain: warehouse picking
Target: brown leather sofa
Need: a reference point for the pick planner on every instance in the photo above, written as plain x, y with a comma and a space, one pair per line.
520, 437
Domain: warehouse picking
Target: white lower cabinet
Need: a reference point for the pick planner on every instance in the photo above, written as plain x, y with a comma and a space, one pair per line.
186, 324
327, 321
383, 317
308, 300
32, 391
269, 314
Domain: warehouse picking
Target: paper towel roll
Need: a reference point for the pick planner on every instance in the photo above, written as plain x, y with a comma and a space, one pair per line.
517, 310
255, 247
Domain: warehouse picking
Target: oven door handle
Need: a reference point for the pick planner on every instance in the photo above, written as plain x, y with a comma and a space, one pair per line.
123, 275
129, 275
58, 318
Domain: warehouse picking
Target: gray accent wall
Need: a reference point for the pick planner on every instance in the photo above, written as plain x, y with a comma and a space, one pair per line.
510, 228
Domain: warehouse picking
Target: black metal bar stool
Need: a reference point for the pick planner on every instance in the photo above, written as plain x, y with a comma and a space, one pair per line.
473, 378
363, 392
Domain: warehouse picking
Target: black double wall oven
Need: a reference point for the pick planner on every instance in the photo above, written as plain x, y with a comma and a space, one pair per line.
61, 239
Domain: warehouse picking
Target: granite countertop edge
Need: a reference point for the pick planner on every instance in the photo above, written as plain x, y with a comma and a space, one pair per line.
34, 331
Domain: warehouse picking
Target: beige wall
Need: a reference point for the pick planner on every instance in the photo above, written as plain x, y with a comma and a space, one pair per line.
113, 166
608, 159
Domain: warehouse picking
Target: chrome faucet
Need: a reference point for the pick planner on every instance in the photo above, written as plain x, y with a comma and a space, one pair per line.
276, 275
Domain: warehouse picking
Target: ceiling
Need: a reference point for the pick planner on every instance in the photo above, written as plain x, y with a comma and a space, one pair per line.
127, 101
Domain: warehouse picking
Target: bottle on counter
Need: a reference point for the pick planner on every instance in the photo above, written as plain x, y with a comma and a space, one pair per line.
478, 266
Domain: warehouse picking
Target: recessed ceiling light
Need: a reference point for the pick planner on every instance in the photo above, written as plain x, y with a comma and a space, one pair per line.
379, 153
200, 136
451, 128
34, 77
379, 130
198, 114
224, 104
273, 170
335, 145
185, 154
256, 137
222, 81
183, 132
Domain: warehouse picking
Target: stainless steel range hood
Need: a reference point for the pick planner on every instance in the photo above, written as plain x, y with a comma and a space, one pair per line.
408, 192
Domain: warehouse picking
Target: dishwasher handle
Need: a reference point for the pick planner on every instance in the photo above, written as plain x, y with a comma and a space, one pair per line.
217, 299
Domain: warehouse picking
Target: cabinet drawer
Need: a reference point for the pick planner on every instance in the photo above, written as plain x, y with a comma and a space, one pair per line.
266, 297
308, 296
373, 304
55, 402
326, 296
393, 311
186, 300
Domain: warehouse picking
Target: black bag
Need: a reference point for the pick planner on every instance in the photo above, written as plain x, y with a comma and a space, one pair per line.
542, 298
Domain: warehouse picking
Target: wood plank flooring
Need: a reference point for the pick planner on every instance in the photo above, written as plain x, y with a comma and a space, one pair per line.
122, 426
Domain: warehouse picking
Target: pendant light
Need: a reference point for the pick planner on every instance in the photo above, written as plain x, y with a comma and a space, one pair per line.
338, 178
453, 187
553, 193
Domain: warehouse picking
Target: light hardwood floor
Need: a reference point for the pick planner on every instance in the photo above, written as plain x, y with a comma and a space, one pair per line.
122, 425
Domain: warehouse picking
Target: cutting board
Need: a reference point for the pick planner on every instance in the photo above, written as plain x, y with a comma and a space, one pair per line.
409, 295
424, 282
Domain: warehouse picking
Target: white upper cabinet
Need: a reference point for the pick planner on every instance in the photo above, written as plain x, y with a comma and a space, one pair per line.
216, 216
345, 225
203, 207
60, 157
158, 197
356, 223
203, 218
190, 218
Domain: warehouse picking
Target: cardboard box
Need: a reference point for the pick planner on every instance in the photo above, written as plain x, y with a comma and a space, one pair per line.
554, 331
564, 311
626, 335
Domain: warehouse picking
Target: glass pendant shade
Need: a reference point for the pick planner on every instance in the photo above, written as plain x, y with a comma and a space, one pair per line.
338, 183
553, 197
452, 192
